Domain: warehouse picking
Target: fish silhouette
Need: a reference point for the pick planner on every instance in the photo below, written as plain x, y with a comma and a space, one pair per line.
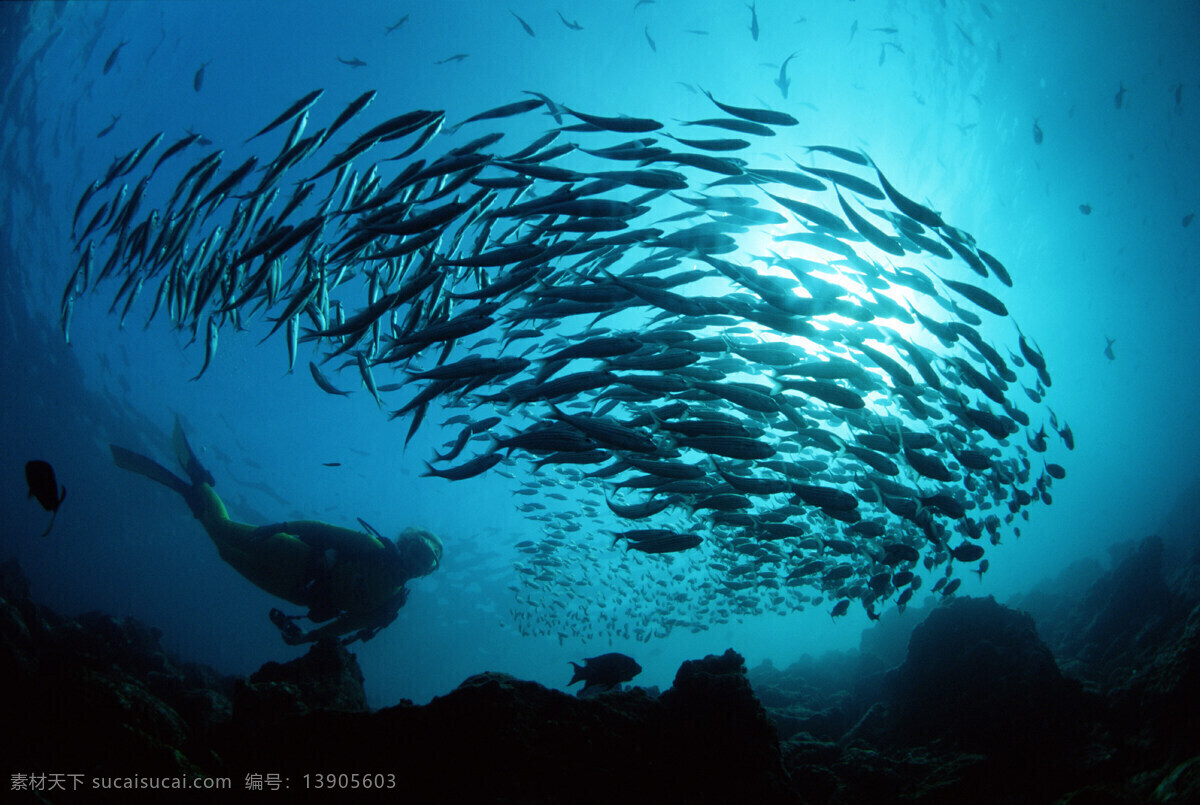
43, 486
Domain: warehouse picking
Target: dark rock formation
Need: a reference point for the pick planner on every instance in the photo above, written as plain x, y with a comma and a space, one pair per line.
98, 696
975, 709
977, 675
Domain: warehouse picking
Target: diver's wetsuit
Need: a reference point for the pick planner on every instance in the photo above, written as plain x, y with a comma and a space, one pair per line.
350, 578
331, 570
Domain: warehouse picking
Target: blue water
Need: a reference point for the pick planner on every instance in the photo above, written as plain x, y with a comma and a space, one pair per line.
949, 114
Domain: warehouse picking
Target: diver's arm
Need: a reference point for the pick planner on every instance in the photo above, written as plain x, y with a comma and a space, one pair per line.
370, 621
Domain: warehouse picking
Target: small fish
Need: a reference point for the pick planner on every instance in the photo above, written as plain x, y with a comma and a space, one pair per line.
103, 132
574, 26
323, 381
767, 117
783, 82
1119, 98
210, 346
653, 46
399, 24
111, 61
1037, 132
607, 671
43, 486
331, 463
753, 21
965, 35
456, 57
1187, 219
354, 62
198, 78
1086, 209
524, 24
1108, 348
297, 108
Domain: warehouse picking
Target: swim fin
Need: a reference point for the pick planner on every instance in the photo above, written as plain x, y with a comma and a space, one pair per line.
136, 462
187, 458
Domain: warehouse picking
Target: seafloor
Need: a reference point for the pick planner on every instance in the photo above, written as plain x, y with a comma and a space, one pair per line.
1085, 690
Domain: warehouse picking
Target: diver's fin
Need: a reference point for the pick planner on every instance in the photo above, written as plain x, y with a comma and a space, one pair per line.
187, 459
135, 462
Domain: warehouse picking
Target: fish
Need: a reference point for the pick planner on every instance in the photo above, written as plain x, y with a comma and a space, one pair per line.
1037, 132
457, 57
476, 466
782, 81
574, 26
210, 346
352, 62
623, 124
1119, 98
1086, 209
39, 475
650, 40
398, 24
754, 26
607, 670
524, 24
323, 381
1108, 348
299, 107
763, 393
198, 78
105, 131
508, 110
111, 61
767, 117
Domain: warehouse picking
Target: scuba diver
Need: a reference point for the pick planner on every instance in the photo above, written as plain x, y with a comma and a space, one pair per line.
353, 580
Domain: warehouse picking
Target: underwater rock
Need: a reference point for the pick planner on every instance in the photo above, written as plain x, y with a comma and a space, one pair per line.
1161, 702
977, 675
327, 677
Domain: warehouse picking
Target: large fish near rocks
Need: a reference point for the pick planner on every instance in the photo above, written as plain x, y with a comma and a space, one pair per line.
768, 370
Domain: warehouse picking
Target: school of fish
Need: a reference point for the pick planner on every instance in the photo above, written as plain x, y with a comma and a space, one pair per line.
775, 382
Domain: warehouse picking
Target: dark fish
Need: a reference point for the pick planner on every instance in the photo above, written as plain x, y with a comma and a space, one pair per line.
323, 381
43, 486
1108, 348
104, 131
503, 111
650, 41
111, 61
754, 26
456, 57
399, 23
622, 124
672, 544
476, 466
198, 78
1086, 209
782, 81
1037, 132
979, 296
331, 464
524, 24
1119, 98
1187, 219
574, 26
352, 62
297, 108
767, 117
607, 671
